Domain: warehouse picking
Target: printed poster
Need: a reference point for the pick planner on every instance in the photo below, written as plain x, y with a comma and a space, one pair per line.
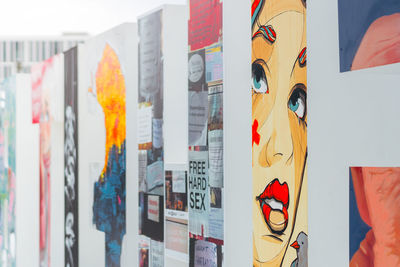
199, 194
373, 211
216, 215
155, 177
176, 235
205, 23
176, 220
150, 56
198, 115
368, 33
176, 193
152, 220
214, 66
144, 129
205, 254
179, 182
215, 155
158, 133
157, 253
215, 107
142, 166
153, 212
197, 70
144, 251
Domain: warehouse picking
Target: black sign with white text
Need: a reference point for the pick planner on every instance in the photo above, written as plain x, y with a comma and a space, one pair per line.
71, 157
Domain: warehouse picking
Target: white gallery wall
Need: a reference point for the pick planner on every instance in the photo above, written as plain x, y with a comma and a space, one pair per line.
130, 256
237, 133
27, 177
54, 79
353, 121
175, 86
175, 83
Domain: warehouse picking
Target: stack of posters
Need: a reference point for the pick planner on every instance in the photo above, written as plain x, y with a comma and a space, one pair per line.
205, 172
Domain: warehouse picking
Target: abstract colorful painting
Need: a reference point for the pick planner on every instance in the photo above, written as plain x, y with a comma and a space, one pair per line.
109, 203
374, 214
368, 33
279, 132
7, 173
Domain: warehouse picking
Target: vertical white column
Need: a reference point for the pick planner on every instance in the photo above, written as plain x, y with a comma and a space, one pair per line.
27, 177
237, 133
175, 34
91, 242
175, 53
130, 250
57, 165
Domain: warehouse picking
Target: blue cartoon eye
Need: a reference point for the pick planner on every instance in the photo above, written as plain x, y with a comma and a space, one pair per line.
297, 101
258, 80
294, 107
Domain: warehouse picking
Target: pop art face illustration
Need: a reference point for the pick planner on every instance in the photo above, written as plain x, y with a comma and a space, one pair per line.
279, 118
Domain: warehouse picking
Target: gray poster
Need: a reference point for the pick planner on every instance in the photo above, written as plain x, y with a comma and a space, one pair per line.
199, 194
150, 56
198, 117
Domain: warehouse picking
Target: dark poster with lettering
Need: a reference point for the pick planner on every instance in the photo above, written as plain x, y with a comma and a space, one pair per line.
71, 157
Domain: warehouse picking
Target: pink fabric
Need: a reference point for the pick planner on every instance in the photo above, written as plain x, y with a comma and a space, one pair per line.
378, 200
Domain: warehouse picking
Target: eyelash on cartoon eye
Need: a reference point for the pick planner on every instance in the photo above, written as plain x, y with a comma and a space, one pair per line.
298, 102
259, 81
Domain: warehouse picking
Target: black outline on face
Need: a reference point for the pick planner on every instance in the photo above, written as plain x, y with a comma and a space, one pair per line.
258, 71
299, 89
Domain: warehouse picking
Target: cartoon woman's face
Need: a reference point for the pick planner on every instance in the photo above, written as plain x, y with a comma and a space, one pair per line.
279, 117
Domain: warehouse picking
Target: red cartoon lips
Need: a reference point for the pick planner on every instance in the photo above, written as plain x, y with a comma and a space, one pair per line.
274, 202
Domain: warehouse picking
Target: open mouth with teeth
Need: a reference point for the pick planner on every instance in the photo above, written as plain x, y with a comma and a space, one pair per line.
274, 202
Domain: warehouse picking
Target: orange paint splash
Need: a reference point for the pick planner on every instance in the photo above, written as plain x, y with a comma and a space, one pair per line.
110, 91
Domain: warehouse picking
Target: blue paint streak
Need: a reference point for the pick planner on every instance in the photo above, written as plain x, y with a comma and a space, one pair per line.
108, 214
